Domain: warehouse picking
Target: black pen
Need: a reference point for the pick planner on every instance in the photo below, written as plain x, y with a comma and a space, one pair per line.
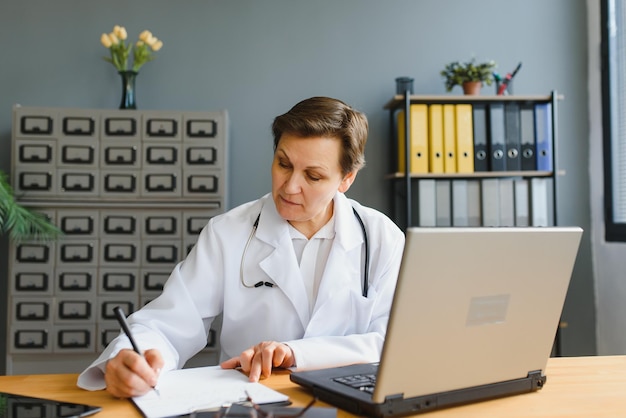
121, 318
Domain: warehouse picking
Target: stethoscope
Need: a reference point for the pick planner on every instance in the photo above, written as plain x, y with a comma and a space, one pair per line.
269, 284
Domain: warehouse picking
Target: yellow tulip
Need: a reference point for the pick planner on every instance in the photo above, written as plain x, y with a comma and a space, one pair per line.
146, 34
140, 53
121, 32
113, 38
105, 40
157, 45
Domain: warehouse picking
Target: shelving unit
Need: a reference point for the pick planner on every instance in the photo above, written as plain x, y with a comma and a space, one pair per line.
131, 190
405, 182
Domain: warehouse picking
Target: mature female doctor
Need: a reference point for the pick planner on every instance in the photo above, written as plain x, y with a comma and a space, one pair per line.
304, 276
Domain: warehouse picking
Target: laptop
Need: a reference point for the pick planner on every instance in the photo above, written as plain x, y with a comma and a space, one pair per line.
474, 317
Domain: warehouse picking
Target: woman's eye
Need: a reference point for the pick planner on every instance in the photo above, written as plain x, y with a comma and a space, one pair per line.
283, 164
313, 177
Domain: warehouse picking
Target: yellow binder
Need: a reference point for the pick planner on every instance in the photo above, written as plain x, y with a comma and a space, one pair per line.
464, 139
449, 139
418, 139
435, 138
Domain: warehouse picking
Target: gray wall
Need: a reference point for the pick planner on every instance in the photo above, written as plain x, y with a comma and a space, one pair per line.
258, 58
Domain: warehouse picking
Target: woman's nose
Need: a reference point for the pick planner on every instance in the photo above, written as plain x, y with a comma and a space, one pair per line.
292, 184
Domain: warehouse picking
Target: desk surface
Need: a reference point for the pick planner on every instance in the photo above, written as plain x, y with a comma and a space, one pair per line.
576, 387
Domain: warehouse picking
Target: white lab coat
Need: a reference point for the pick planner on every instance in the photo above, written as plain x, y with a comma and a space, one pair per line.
343, 328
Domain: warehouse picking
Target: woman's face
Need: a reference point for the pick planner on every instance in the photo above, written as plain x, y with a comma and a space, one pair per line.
305, 177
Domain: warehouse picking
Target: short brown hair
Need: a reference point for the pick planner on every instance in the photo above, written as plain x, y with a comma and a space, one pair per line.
327, 117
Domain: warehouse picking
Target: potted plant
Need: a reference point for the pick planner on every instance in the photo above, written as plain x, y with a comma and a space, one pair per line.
470, 75
20, 222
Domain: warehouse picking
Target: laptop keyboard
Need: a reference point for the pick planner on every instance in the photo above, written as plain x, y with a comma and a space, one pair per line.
362, 382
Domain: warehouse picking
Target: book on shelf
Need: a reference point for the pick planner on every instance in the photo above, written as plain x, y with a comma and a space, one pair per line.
418, 139
464, 138
520, 189
473, 203
443, 196
512, 136
449, 138
479, 124
507, 202
527, 137
543, 136
497, 146
541, 201
435, 138
460, 204
427, 203
490, 201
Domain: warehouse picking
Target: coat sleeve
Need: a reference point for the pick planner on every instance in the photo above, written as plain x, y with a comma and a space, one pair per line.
177, 322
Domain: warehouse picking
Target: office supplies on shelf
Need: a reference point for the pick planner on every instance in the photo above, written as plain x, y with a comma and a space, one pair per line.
490, 148
473, 203
196, 389
427, 203
520, 189
481, 151
507, 203
504, 84
542, 209
404, 84
497, 146
490, 202
443, 195
543, 132
512, 135
449, 138
464, 311
460, 208
527, 137
464, 138
418, 139
435, 139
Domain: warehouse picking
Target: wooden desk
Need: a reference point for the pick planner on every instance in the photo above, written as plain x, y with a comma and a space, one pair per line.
576, 387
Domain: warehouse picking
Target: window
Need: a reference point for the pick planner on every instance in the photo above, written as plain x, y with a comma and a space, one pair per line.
614, 117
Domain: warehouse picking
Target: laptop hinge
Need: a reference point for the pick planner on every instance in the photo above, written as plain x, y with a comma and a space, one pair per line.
538, 379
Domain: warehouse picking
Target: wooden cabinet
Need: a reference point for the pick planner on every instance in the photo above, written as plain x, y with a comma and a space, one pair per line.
131, 191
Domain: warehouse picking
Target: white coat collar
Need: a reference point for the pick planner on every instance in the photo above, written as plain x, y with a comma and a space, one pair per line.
281, 264
273, 229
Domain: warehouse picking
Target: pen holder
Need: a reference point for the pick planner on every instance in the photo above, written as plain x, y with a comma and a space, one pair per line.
509, 88
403, 84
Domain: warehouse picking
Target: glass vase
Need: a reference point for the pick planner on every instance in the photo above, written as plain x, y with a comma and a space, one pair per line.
128, 89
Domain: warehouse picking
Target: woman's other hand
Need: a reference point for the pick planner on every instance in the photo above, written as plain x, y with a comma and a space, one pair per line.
259, 360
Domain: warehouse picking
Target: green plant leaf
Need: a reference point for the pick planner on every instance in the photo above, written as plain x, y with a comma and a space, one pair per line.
20, 222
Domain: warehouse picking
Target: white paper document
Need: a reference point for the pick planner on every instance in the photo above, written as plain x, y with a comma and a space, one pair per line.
189, 390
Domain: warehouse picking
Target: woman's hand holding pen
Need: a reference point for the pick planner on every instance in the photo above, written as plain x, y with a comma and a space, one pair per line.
130, 374
259, 360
